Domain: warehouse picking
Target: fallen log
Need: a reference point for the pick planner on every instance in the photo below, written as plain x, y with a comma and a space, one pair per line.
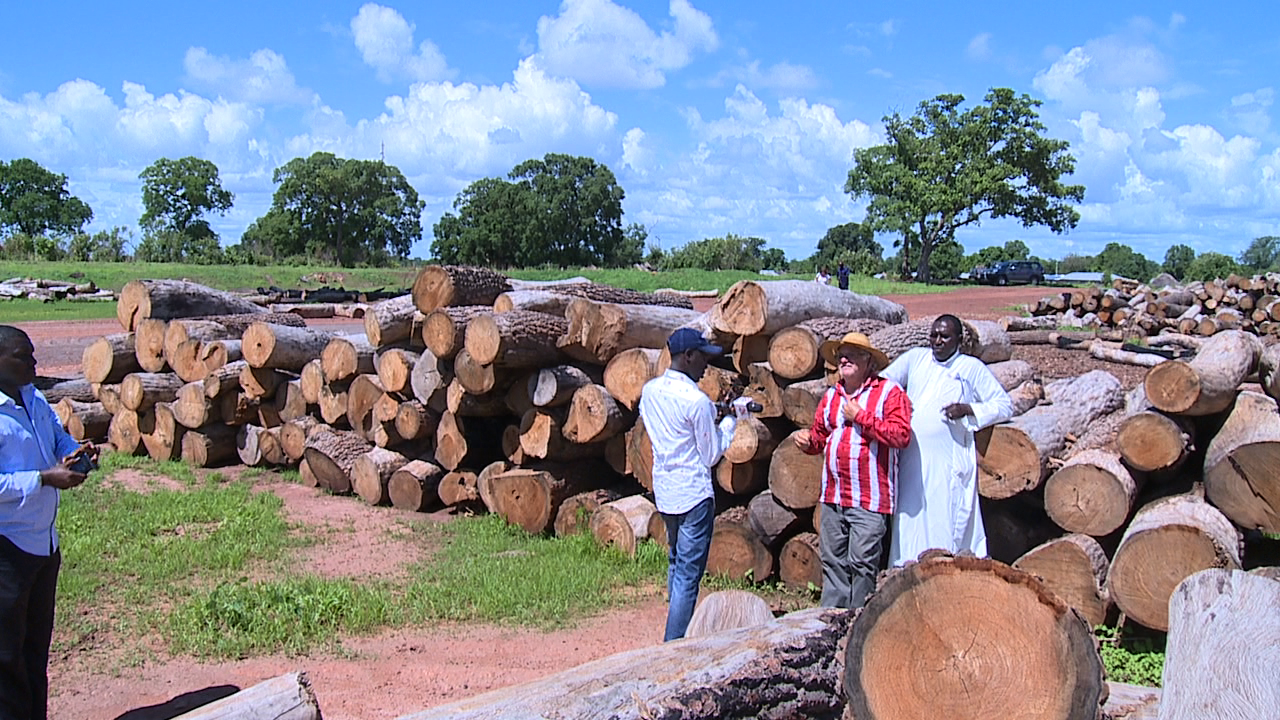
998, 646
794, 351
575, 513
516, 339
1118, 354
345, 357
1092, 493
139, 391
110, 358
787, 668
800, 562
390, 321
84, 421
1150, 441
626, 374
1074, 567
1208, 383
530, 498
751, 308
287, 697
171, 299
622, 523
444, 331
1012, 373
545, 301
440, 286
795, 478
1026, 396
209, 446
371, 474
332, 455
415, 486
282, 347
1014, 323
1240, 466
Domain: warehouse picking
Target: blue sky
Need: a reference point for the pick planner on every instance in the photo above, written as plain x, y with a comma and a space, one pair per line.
716, 116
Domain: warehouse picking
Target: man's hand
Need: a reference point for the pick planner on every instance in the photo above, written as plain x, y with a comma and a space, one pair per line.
851, 410
802, 440
61, 477
955, 411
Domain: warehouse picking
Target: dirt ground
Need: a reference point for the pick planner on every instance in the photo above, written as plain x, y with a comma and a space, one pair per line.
401, 671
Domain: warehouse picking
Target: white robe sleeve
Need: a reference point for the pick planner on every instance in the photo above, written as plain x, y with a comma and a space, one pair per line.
992, 404
899, 370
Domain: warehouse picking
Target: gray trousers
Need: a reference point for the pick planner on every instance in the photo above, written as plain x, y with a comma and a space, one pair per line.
851, 541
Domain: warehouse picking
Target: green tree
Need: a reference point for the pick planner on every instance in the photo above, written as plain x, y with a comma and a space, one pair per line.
1122, 260
560, 210
1177, 260
847, 241
331, 209
944, 169
731, 252
773, 259
1263, 254
1212, 266
177, 194
988, 256
35, 201
102, 246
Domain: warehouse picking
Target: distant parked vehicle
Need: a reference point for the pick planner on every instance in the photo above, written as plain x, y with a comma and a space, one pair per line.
1012, 272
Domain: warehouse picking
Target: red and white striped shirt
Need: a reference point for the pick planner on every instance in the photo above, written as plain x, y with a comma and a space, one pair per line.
861, 468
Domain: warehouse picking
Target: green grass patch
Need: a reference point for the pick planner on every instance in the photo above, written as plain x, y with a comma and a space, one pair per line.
1137, 660
16, 311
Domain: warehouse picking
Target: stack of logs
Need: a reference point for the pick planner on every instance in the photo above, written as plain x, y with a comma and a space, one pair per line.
50, 290
1199, 308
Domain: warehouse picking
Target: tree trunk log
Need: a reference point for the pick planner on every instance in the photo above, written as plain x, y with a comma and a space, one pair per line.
187, 361
795, 479
85, 422
1151, 441
518, 339
139, 391
544, 301
170, 299
800, 562
415, 486
364, 393
763, 387
148, 345
287, 697
1166, 542
1091, 494
311, 379
390, 321
261, 383
1012, 373
787, 668
371, 474
736, 551
109, 359
293, 436
1075, 568
458, 487
531, 498
332, 458
289, 403
1269, 370
1241, 466
1026, 396
395, 368
1016, 457
123, 432
282, 347
750, 308
345, 357
1208, 383
440, 286
626, 374
444, 331
109, 396
640, 454
414, 421
981, 615
800, 400
728, 610
464, 404
609, 329
594, 416
774, 522
1014, 323
554, 386
755, 439
575, 513
451, 441
476, 378
210, 446
993, 341
1222, 648
251, 442
429, 380
622, 523
742, 479
79, 389
164, 441
178, 332
333, 404
794, 351
225, 380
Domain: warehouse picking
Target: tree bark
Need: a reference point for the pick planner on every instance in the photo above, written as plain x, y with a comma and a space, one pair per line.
750, 308
774, 522
1208, 383
1091, 494
210, 446
594, 416
390, 321
980, 615
1016, 457
415, 486
787, 668
79, 389
346, 356
282, 347
85, 422
371, 474
736, 551
795, 479
575, 513
1214, 615
517, 339
1074, 567
1012, 373
170, 299
626, 374
1026, 396
1166, 542
332, 457
287, 697
293, 436
1240, 467
622, 523
544, 301
440, 286
800, 562
794, 351
444, 331
109, 359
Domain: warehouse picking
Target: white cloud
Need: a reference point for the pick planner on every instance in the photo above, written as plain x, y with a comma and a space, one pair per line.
782, 77
263, 78
880, 73
889, 28
1251, 111
598, 42
979, 47
634, 153
385, 41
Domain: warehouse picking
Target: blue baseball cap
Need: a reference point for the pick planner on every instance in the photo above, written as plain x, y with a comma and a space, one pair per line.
686, 339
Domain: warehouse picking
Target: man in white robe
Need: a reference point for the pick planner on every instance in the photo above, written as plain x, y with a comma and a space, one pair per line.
952, 397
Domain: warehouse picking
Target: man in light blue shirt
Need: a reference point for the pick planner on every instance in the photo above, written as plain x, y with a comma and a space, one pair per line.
33, 469
680, 421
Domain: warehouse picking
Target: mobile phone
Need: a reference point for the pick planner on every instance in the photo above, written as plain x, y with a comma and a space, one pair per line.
82, 462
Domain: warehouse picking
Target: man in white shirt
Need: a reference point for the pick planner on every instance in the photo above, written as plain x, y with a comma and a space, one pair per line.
681, 423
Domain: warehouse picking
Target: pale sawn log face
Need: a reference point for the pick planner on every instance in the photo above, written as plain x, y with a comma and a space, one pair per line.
1242, 465
1075, 568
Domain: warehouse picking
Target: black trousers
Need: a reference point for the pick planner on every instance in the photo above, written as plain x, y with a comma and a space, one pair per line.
28, 584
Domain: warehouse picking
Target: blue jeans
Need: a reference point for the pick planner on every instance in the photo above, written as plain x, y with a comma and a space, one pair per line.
689, 539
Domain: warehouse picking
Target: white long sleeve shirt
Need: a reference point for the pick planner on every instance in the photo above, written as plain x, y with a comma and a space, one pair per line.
681, 423
31, 440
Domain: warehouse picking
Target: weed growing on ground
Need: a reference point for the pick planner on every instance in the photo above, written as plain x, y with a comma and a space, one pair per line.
1134, 660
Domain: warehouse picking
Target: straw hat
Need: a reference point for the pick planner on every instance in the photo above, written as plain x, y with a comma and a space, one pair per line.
856, 340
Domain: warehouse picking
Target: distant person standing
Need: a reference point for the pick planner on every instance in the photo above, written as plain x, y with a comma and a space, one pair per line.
842, 276
954, 396
860, 425
681, 423
823, 277
33, 469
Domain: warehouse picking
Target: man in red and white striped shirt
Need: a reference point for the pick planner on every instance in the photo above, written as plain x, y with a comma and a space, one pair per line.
860, 425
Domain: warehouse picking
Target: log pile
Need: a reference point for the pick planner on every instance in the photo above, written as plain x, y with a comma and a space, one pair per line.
45, 290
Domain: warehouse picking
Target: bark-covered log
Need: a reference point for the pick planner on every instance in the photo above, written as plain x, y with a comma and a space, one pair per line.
444, 331
1242, 465
187, 361
626, 374
1269, 370
395, 369
750, 308
287, 697
794, 351
755, 439
800, 562
1016, 457
800, 400
622, 523
1166, 542
795, 479
545, 301
123, 432
225, 380
1150, 441
575, 513
210, 446
518, 339
1026, 396
251, 442
1222, 648
109, 396
741, 479
390, 321
78, 389
289, 403
1092, 493
148, 345
110, 358
333, 404
311, 379
85, 422
414, 421
1015, 323
364, 393
475, 377
998, 645
993, 341
440, 286
1208, 383
594, 416
282, 347
332, 457
1012, 373
261, 383
170, 299
293, 436
772, 521
163, 439
371, 474
604, 329
346, 356
620, 296
139, 391
895, 340
787, 668
531, 498
179, 332
736, 551
765, 388
1075, 568
464, 404
415, 486
553, 386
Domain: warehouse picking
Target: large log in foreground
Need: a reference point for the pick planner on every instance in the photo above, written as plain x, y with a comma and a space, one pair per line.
169, 299
287, 697
1240, 476
1208, 383
997, 645
751, 308
787, 668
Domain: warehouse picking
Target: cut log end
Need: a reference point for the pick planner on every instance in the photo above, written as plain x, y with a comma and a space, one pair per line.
1172, 386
